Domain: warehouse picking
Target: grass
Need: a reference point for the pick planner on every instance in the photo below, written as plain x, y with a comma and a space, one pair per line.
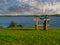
11, 36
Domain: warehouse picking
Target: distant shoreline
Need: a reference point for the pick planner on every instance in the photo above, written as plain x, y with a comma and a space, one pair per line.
25, 15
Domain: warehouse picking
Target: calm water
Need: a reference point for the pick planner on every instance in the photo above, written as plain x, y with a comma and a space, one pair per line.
28, 21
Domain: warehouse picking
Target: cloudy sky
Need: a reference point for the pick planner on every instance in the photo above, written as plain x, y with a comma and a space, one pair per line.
29, 7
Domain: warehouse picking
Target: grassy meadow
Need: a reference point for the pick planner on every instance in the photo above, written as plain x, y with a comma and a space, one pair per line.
18, 36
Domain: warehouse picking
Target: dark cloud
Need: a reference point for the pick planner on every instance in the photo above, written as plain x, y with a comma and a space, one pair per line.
23, 8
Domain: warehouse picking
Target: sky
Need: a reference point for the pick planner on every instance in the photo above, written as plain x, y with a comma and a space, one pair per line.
29, 7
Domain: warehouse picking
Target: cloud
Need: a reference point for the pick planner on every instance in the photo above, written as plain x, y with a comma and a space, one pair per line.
33, 7
3, 2
23, 9
22, 0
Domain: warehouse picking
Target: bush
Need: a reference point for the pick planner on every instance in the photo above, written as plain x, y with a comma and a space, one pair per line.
1, 27
19, 25
12, 24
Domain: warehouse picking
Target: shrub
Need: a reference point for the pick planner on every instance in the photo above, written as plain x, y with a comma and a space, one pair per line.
19, 25
1, 27
12, 24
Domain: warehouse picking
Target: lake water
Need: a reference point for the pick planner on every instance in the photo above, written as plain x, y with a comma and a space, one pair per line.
28, 21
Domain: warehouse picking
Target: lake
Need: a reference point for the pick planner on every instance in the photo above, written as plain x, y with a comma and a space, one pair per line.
28, 21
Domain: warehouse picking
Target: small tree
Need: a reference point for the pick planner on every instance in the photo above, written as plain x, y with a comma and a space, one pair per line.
12, 24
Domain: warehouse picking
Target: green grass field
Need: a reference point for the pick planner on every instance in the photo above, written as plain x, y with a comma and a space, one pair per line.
28, 36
